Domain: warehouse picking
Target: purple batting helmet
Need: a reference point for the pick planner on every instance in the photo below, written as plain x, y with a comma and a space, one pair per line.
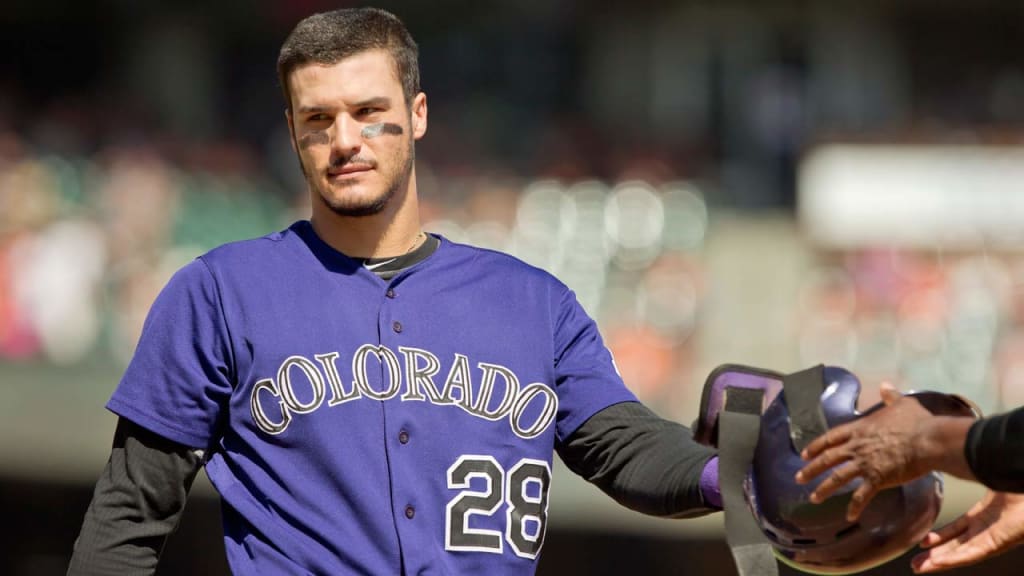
817, 538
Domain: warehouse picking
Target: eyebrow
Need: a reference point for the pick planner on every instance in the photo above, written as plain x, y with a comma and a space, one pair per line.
314, 109
375, 102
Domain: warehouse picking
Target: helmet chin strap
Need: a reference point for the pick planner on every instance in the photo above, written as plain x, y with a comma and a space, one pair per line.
739, 426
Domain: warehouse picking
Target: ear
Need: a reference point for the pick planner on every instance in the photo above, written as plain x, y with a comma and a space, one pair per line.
419, 116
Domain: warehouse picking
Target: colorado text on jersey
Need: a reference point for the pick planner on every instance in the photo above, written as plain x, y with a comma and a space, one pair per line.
530, 409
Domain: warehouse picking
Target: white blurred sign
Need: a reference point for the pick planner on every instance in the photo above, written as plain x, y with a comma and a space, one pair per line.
958, 197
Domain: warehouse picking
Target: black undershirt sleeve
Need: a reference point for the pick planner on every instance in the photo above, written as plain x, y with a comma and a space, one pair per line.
995, 451
137, 503
644, 462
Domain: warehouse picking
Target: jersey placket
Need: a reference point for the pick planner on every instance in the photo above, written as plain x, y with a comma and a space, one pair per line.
398, 433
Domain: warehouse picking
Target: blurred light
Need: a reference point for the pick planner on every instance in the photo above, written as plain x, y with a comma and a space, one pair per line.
1010, 369
966, 197
978, 287
545, 217
488, 234
829, 294
60, 276
450, 229
618, 307
824, 342
69, 181
29, 195
880, 349
545, 212
546, 255
634, 219
921, 316
930, 373
588, 246
985, 277
644, 357
634, 215
686, 216
588, 286
669, 300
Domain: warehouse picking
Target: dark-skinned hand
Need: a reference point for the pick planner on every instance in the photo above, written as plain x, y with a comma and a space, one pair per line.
896, 444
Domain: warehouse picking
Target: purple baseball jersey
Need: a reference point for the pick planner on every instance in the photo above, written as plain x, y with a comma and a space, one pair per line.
357, 426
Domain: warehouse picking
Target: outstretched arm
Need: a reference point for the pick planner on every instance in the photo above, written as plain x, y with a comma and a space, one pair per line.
137, 502
644, 462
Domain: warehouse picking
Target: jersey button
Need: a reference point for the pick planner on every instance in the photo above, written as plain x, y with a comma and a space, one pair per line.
390, 293
397, 326
410, 512
403, 437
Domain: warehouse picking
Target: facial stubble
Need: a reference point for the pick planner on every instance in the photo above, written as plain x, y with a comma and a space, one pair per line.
393, 181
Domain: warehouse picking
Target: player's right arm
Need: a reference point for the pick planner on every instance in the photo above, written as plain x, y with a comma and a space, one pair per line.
136, 504
170, 401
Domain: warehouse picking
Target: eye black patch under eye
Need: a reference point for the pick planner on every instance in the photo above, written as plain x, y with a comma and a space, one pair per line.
313, 138
374, 130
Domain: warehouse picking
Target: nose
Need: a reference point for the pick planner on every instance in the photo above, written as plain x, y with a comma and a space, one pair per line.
347, 139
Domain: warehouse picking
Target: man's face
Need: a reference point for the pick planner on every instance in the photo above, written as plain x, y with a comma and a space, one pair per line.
353, 131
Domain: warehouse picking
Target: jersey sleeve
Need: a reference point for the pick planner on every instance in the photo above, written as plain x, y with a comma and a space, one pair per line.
179, 381
995, 451
586, 378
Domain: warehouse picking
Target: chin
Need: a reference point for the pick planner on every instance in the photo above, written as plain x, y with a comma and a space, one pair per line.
349, 205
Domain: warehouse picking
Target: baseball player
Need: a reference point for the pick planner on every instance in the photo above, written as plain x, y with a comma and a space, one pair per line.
367, 398
904, 441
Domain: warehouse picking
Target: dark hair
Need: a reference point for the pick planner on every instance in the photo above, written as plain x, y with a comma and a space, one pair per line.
329, 37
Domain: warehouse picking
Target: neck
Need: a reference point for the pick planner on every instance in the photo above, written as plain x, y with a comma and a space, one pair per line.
392, 232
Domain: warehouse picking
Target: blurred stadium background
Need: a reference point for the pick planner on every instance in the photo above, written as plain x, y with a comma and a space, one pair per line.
774, 183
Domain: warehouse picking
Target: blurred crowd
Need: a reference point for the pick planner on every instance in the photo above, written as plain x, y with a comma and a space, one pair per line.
925, 320
87, 241
602, 149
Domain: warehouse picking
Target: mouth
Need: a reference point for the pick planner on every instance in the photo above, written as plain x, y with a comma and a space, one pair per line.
348, 171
